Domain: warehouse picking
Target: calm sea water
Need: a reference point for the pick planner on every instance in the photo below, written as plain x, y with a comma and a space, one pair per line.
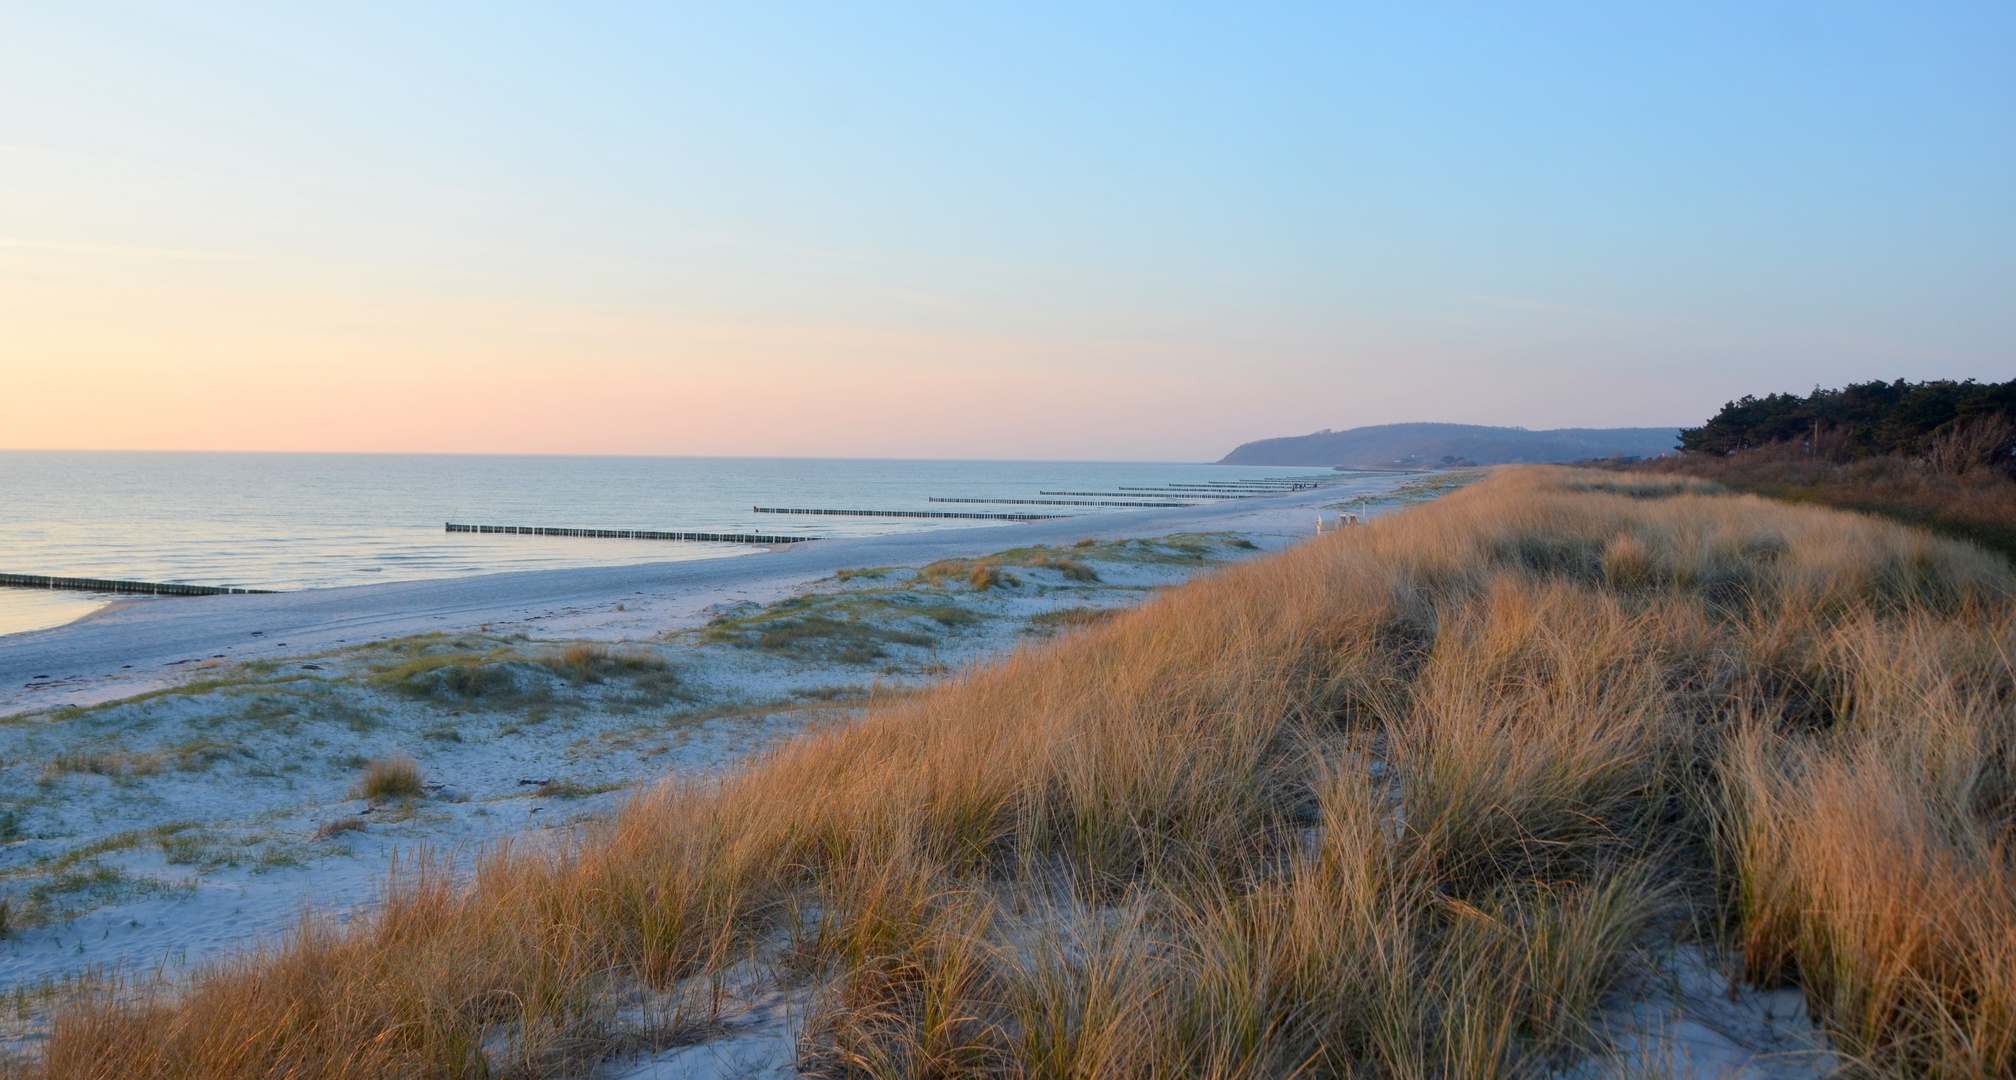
297, 521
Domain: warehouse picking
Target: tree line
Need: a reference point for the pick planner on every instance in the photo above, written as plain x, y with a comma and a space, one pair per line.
1872, 419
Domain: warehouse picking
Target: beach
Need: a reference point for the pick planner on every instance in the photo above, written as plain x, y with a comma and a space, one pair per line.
136, 645
178, 772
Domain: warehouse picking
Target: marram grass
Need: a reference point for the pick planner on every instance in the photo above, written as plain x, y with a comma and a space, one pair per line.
1409, 800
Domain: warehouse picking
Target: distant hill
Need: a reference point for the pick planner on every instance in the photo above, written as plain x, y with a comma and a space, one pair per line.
1441, 444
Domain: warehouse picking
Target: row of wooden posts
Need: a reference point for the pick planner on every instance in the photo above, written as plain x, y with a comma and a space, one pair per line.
630, 534
909, 514
1063, 502
108, 585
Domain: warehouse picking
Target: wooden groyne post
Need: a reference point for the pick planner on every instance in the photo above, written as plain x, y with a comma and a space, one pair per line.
909, 514
631, 534
108, 585
1063, 502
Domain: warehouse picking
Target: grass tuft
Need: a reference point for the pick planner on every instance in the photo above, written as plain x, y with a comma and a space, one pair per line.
580, 664
390, 778
331, 829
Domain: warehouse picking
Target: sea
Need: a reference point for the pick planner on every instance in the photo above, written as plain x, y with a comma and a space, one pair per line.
306, 521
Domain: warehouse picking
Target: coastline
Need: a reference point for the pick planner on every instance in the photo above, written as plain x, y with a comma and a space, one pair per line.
119, 782
133, 647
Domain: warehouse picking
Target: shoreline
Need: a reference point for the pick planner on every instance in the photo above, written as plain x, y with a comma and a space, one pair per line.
132, 787
136, 646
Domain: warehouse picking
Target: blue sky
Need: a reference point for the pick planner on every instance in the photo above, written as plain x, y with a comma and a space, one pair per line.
1028, 231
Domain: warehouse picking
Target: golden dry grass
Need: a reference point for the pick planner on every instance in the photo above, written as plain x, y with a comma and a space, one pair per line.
1409, 800
390, 778
1942, 493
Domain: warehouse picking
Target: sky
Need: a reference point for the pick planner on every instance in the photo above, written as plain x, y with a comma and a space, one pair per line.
1085, 231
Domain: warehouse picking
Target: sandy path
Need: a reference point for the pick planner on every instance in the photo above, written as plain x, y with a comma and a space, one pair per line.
133, 647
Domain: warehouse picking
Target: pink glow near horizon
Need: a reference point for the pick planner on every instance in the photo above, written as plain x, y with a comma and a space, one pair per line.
267, 356
1110, 232
461, 378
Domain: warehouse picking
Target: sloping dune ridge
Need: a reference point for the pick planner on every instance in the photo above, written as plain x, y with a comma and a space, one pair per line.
1441, 795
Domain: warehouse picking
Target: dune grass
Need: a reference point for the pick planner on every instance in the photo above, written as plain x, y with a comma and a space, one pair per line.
1074, 564
390, 778
113, 763
852, 627
1973, 504
469, 672
1410, 800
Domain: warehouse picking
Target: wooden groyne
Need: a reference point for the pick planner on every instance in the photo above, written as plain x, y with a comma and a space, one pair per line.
1059, 502
1247, 490
1149, 494
909, 514
631, 534
107, 585
1288, 483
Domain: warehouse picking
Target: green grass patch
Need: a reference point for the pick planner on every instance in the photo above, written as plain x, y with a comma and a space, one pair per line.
1428, 487
278, 856
81, 879
1047, 623
569, 789
119, 841
860, 625
112, 763
95, 881
458, 669
197, 848
1076, 563
485, 673
990, 571
851, 628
